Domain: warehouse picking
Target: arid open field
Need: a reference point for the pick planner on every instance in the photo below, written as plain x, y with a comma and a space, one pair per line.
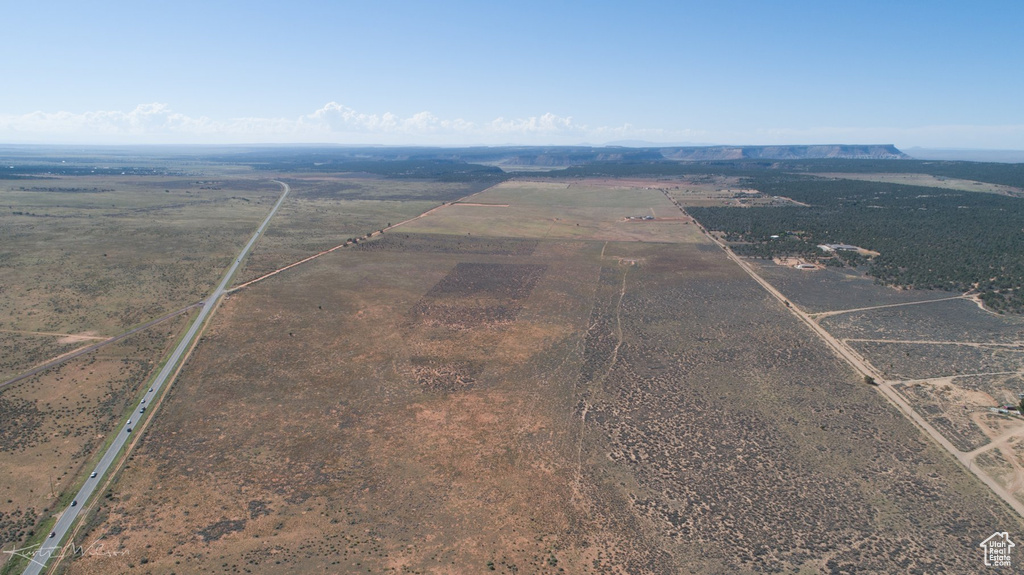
933, 181
950, 320
84, 258
954, 362
831, 289
55, 422
530, 383
325, 211
100, 255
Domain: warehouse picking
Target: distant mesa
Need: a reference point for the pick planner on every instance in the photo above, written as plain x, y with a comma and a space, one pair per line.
839, 151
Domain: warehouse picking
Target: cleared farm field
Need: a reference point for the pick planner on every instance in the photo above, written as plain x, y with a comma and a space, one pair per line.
387, 398
472, 392
563, 211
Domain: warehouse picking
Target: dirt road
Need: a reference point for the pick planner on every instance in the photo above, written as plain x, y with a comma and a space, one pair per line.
371, 234
822, 314
90, 348
866, 369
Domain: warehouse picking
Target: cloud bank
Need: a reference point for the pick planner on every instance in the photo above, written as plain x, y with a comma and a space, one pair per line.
333, 123
157, 123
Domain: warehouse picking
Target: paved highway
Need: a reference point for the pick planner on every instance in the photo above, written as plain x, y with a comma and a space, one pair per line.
51, 547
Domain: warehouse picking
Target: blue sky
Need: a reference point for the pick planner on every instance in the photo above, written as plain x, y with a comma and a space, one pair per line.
932, 74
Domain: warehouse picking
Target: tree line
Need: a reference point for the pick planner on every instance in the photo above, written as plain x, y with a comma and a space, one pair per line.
927, 238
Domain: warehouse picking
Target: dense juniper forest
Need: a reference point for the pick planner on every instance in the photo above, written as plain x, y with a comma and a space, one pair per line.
927, 238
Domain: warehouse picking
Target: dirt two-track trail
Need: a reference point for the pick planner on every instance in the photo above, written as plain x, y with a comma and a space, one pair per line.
862, 366
578, 481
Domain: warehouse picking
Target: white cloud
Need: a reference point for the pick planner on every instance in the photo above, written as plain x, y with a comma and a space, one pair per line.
144, 119
335, 118
336, 123
548, 123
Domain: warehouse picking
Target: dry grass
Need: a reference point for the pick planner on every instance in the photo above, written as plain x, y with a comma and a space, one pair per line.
443, 404
576, 211
930, 181
93, 256
55, 422
107, 260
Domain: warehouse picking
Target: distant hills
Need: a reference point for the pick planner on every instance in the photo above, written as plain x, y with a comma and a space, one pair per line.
415, 161
563, 156
545, 157
832, 151
968, 155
